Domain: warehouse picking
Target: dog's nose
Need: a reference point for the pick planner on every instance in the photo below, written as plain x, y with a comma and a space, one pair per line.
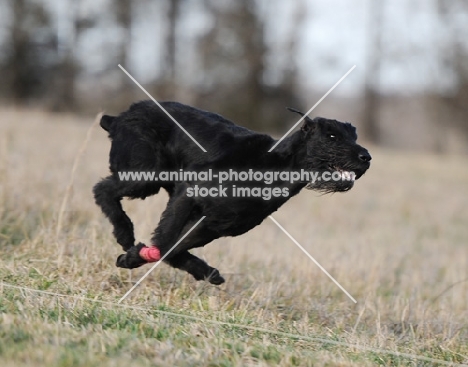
365, 157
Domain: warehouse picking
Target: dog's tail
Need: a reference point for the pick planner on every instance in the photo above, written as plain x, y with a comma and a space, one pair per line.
107, 121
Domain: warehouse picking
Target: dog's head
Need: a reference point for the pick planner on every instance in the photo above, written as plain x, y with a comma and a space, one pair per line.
332, 152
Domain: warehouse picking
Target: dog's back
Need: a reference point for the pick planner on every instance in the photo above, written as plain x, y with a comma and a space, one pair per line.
144, 137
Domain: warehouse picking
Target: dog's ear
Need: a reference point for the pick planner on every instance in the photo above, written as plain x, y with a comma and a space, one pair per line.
308, 122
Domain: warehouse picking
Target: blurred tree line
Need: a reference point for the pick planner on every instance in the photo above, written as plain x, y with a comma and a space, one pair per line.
43, 61
452, 108
232, 55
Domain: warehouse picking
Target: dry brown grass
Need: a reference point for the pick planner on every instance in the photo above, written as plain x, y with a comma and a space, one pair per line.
398, 242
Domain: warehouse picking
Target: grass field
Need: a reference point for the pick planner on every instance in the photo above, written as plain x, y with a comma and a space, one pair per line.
398, 243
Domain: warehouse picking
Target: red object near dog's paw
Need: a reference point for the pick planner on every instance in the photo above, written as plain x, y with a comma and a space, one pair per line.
150, 254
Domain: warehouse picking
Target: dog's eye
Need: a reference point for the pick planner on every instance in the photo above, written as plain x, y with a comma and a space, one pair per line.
331, 136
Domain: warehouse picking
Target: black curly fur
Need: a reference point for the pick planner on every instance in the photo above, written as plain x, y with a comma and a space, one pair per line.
145, 139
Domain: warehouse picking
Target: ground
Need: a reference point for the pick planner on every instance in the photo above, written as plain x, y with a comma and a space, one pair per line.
397, 242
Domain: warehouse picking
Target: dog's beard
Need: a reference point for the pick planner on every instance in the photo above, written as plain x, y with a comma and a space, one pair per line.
328, 187
332, 179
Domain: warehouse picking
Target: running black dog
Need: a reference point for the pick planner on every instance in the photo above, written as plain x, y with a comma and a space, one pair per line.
145, 139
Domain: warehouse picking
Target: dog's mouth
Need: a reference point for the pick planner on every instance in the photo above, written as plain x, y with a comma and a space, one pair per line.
343, 173
354, 172
333, 178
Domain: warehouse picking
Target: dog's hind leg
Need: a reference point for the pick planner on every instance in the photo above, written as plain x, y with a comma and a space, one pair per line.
108, 193
195, 266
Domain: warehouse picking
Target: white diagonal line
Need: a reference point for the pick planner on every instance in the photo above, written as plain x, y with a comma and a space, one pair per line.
161, 107
315, 105
310, 257
159, 262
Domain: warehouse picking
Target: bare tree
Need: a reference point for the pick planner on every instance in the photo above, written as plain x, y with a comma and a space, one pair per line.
123, 13
63, 93
173, 14
233, 58
285, 92
451, 106
167, 87
371, 118
26, 63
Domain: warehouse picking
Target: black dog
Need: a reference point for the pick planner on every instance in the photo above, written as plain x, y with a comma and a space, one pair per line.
145, 139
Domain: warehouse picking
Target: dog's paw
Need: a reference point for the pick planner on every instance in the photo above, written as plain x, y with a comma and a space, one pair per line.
131, 259
215, 278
